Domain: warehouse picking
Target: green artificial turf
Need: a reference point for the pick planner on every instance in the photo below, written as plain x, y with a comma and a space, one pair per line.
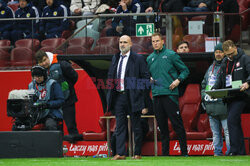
151, 161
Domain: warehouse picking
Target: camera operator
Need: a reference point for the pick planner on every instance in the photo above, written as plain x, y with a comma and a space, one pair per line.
66, 76
48, 99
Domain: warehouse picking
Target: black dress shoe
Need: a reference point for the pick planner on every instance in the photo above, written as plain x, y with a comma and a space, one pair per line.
78, 137
73, 137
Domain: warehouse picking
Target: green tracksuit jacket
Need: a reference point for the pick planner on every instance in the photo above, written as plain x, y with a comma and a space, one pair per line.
166, 66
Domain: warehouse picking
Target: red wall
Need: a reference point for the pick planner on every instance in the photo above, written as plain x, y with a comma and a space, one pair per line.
88, 107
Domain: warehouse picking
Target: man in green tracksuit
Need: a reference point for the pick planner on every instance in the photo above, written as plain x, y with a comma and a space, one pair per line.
167, 71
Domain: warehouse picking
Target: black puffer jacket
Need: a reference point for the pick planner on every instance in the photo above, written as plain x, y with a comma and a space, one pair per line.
240, 71
71, 76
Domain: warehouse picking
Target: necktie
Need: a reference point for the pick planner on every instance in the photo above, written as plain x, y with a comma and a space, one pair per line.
120, 72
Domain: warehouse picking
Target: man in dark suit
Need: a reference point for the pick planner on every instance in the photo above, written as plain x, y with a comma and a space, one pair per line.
128, 95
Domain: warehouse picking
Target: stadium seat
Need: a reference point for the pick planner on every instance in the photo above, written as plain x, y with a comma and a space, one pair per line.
191, 106
150, 135
92, 136
104, 50
88, 33
5, 45
86, 42
112, 41
143, 41
32, 44
104, 31
4, 58
77, 50
53, 42
243, 6
14, 6
196, 42
203, 129
51, 49
66, 34
108, 22
21, 56
139, 49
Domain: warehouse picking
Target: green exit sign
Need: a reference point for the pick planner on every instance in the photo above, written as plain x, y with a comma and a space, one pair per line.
144, 29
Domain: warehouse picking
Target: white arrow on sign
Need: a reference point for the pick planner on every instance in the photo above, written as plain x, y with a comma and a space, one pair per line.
140, 30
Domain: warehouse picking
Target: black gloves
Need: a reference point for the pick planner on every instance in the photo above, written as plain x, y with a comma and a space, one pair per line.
41, 105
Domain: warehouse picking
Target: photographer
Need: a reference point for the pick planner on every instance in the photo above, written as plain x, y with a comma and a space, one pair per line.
48, 99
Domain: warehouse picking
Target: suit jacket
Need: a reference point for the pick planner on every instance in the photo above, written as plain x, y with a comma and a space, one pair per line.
136, 81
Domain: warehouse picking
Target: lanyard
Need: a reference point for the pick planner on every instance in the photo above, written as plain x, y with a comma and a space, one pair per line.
227, 68
160, 6
213, 69
218, 5
41, 91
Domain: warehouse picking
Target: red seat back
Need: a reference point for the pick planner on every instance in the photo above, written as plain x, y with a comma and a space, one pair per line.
243, 6
4, 58
142, 41
86, 42
77, 50
5, 45
21, 56
103, 123
53, 42
112, 41
196, 42
32, 44
191, 106
51, 49
14, 6
139, 49
104, 50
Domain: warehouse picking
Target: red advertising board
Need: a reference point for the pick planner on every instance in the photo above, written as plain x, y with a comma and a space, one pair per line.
91, 148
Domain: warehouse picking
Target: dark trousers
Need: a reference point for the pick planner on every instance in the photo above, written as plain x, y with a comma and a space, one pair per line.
70, 119
51, 124
145, 129
122, 109
237, 146
165, 108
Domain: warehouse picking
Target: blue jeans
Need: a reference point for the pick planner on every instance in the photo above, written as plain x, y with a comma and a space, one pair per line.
216, 124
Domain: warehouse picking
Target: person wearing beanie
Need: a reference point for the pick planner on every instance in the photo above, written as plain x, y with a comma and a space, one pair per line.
39, 71
215, 108
6, 25
24, 29
67, 77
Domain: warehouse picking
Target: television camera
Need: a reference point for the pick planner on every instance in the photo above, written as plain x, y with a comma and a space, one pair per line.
25, 108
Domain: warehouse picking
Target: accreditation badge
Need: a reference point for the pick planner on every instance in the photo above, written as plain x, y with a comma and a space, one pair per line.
211, 81
229, 80
43, 94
